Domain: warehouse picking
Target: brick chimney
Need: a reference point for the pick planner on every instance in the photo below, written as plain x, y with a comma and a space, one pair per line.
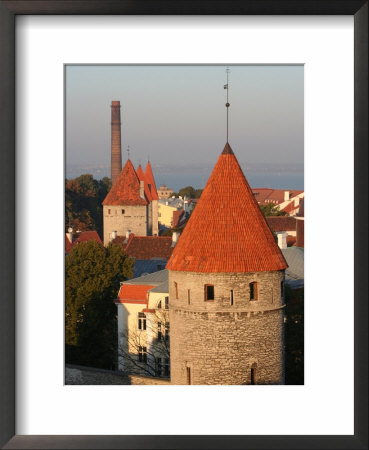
116, 154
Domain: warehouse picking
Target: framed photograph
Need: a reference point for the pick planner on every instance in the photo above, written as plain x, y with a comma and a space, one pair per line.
39, 42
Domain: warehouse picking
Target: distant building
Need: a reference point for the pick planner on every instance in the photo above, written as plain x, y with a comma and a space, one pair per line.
150, 253
143, 325
131, 204
167, 207
287, 201
164, 192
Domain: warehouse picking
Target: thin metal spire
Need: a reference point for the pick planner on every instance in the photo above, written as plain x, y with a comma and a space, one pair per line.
128, 150
226, 86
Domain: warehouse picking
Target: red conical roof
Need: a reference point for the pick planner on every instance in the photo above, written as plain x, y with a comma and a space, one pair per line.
126, 189
149, 179
227, 231
140, 172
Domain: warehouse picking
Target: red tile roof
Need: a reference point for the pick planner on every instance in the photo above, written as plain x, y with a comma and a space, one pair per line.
146, 247
68, 245
84, 236
178, 218
149, 179
276, 196
281, 223
227, 231
126, 189
133, 292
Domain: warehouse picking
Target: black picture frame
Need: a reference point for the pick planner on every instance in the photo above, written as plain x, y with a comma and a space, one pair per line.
8, 11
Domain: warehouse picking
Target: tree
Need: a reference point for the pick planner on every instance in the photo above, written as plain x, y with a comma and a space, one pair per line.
270, 209
92, 278
83, 202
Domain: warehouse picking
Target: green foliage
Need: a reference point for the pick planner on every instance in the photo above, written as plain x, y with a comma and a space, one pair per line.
294, 336
270, 209
83, 198
92, 278
190, 192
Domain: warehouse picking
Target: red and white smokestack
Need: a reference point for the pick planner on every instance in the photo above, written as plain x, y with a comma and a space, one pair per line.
116, 154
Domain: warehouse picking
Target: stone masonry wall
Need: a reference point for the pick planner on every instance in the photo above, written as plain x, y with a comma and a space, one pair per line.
148, 381
219, 342
134, 218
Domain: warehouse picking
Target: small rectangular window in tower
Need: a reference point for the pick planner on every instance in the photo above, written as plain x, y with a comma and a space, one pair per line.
109, 211
123, 211
253, 374
209, 292
176, 289
189, 296
253, 290
231, 297
188, 372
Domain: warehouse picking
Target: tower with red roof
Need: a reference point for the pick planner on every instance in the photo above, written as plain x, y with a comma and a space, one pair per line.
226, 288
130, 204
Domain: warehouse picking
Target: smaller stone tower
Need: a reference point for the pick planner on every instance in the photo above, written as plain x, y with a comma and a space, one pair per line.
116, 154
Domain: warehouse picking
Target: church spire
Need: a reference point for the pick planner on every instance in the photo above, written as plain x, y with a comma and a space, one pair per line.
226, 86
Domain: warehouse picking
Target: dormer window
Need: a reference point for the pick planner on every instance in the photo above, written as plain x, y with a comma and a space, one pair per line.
209, 292
253, 290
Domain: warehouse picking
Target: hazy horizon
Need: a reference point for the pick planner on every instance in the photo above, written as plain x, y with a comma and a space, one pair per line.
176, 115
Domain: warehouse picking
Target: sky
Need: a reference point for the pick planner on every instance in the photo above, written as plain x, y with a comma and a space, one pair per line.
176, 114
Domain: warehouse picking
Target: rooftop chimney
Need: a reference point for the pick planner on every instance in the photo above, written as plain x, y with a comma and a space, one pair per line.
128, 233
113, 235
286, 195
116, 155
175, 237
70, 234
282, 239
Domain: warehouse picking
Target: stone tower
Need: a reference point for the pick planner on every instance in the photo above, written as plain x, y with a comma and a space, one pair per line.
116, 154
226, 283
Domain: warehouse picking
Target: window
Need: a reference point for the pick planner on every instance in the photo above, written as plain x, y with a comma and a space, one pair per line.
141, 321
123, 211
159, 305
231, 297
166, 367
159, 330
282, 289
176, 289
209, 292
109, 211
142, 354
158, 367
188, 296
253, 290
166, 305
166, 331
188, 372
253, 373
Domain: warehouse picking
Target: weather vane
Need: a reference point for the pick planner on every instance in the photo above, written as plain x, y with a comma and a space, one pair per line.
128, 150
227, 104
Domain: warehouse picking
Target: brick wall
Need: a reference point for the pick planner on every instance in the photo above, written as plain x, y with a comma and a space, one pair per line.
219, 342
134, 218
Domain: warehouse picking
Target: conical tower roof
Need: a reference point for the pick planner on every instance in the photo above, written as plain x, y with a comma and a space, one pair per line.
140, 172
227, 231
126, 189
149, 179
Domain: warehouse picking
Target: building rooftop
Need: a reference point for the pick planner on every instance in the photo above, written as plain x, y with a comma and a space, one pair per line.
227, 231
126, 189
281, 223
146, 247
83, 236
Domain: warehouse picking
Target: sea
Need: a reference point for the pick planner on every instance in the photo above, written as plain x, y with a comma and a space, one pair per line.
178, 177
